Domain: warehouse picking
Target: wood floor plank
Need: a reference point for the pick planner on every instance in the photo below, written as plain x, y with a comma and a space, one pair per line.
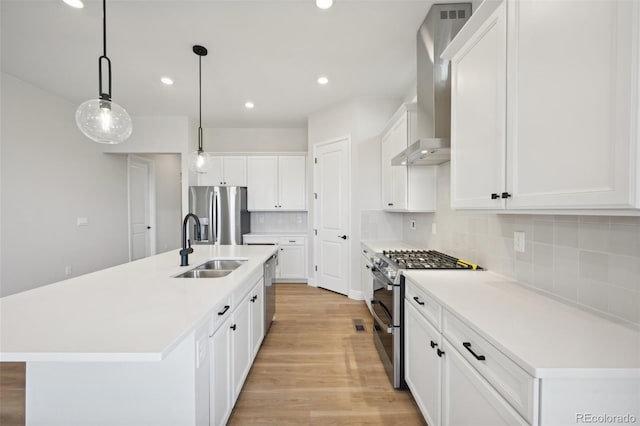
314, 369
12, 385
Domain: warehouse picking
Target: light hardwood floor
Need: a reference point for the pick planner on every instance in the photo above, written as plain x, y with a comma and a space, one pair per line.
314, 369
12, 393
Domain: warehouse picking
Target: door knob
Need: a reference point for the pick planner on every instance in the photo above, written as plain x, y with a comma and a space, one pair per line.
148, 227
344, 237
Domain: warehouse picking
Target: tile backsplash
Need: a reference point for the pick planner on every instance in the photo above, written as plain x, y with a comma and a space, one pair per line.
279, 222
593, 261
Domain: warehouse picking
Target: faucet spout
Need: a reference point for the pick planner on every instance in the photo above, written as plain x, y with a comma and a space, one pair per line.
186, 244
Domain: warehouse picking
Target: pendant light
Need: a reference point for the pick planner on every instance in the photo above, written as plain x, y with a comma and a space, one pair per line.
102, 120
199, 160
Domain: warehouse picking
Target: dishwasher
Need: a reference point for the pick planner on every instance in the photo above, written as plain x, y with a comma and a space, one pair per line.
270, 291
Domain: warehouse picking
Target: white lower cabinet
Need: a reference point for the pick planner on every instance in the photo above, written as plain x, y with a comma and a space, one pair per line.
423, 364
220, 382
446, 387
468, 399
292, 254
233, 347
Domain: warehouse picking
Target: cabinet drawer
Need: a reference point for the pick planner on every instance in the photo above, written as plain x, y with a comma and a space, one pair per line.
220, 313
511, 381
283, 241
423, 303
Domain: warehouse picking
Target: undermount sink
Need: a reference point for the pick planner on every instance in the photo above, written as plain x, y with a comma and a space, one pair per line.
212, 269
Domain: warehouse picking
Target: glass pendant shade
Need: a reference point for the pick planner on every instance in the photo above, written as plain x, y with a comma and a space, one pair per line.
104, 121
199, 161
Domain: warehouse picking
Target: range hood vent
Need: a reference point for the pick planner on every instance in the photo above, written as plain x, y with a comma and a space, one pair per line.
434, 85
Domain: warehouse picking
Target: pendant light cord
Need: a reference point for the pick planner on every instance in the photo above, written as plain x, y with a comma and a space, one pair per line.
200, 103
104, 96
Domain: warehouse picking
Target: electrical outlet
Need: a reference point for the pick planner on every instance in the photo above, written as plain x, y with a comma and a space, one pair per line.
82, 221
67, 271
518, 241
298, 219
260, 218
434, 229
412, 224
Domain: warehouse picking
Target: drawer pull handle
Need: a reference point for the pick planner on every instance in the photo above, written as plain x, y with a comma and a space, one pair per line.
233, 327
418, 301
433, 344
468, 346
224, 311
440, 353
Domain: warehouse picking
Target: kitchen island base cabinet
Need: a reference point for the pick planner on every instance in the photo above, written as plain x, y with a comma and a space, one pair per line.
233, 347
117, 393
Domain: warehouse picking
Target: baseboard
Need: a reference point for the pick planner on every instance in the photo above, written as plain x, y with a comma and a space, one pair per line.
355, 295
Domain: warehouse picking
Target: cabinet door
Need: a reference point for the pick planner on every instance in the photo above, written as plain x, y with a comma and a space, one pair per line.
385, 169
214, 176
257, 317
220, 402
398, 139
423, 371
292, 262
468, 399
478, 126
241, 344
573, 103
292, 186
235, 171
366, 279
262, 183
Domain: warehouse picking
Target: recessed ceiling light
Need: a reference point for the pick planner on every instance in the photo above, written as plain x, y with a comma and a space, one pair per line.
249, 105
323, 80
166, 80
324, 4
74, 3
424, 151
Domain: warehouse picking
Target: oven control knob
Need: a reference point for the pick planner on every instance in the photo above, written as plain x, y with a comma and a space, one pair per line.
376, 260
391, 273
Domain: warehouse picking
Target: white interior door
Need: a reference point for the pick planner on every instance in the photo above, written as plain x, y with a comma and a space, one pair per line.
332, 215
141, 208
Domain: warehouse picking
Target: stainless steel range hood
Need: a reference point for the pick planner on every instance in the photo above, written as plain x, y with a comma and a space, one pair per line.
434, 86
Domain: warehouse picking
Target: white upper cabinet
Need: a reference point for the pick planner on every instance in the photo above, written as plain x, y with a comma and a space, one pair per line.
226, 171
545, 106
276, 183
405, 188
478, 133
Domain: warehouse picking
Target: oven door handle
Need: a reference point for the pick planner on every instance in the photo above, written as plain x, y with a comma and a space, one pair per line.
382, 324
382, 278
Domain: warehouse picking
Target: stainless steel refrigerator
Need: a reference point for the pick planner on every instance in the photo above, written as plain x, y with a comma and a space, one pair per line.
223, 214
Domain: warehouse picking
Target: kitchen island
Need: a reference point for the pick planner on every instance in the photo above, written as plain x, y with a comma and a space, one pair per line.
129, 344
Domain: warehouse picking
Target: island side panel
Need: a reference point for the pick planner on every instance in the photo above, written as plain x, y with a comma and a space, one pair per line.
115, 393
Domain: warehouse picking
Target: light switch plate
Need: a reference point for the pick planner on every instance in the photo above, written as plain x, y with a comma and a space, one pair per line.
434, 229
518, 241
82, 221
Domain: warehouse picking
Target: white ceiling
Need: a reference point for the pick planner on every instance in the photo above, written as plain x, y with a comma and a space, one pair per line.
269, 52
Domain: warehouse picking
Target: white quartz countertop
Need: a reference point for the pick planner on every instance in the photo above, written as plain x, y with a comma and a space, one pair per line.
544, 336
379, 246
130, 312
277, 234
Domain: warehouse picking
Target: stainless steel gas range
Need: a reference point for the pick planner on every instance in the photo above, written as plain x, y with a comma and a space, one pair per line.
387, 304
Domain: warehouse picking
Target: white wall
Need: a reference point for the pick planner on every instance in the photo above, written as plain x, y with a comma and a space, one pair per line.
361, 120
593, 261
255, 140
163, 135
50, 175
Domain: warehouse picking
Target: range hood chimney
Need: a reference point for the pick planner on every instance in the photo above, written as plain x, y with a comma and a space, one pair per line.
434, 86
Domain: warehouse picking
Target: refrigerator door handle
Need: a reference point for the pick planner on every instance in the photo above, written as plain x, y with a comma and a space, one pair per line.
215, 216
